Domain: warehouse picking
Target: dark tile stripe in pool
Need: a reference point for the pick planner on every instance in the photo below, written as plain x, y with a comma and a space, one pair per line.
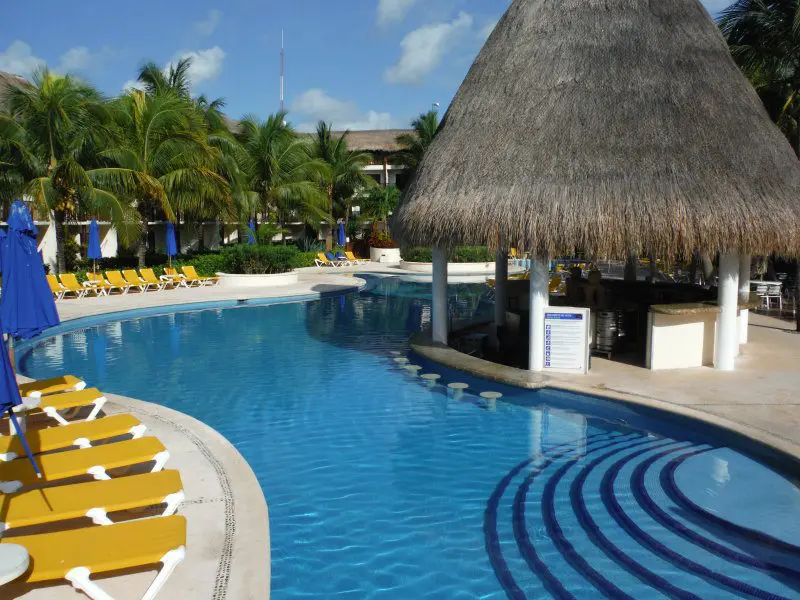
612, 505
609, 549
492, 538
643, 497
554, 530
667, 478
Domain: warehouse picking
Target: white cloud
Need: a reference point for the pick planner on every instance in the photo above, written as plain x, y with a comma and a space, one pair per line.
206, 64
315, 105
132, 84
424, 48
487, 29
208, 25
393, 11
80, 58
19, 59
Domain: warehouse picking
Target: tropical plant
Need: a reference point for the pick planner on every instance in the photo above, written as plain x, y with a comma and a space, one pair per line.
66, 121
18, 163
282, 173
174, 80
267, 232
378, 202
416, 144
345, 175
381, 239
764, 40
163, 159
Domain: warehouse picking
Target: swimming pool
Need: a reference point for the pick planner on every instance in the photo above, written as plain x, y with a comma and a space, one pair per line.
382, 484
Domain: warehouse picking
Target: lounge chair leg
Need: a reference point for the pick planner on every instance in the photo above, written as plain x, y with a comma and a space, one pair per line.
98, 405
98, 472
82, 443
138, 431
173, 501
79, 578
99, 516
168, 564
55, 415
160, 460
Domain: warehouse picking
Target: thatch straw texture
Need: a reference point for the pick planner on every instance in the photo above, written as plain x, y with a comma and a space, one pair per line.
606, 125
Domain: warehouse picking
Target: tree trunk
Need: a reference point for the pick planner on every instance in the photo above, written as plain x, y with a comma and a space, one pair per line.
201, 241
61, 259
178, 231
141, 251
708, 267
693, 269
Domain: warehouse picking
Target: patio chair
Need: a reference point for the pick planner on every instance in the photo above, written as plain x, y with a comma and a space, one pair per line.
116, 279
93, 499
354, 259
150, 277
191, 275
77, 554
132, 277
100, 282
185, 279
323, 261
53, 405
336, 262
70, 283
80, 434
774, 292
95, 461
54, 385
343, 260
176, 278
55, 287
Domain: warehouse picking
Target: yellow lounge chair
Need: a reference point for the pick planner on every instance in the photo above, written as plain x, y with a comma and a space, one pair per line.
94, 461
80, 434
190, 281
54, 385
54, 404
116, 278
69, 281
150, 277
354, 259
191, 275
100, 282
176, 277
55, 287
93, 499
78, 554
324, 261
132, 277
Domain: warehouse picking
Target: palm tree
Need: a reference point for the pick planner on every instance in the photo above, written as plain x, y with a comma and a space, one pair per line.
416, 144
18, 163
163, 159
345, 176
283, 172
379, 202
764, 40
175, 80
65, 122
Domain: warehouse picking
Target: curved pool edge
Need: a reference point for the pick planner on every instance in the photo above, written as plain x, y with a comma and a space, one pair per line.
424, 346
228, 539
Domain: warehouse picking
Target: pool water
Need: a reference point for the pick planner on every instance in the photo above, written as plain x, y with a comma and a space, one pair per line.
381, 484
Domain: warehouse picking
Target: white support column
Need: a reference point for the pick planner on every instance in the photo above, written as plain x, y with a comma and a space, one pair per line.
439, 309
727, 342
500, 287
539, 300
744, 296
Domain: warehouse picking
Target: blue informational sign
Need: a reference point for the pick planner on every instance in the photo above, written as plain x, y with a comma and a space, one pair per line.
566, 339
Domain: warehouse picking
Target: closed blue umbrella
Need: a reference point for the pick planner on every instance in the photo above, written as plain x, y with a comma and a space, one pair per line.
26, 307
342, 238
94, 252
172, 245
251, 233
9, 398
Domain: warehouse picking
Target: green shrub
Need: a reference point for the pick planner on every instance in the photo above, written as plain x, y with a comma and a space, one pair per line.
207, 265
251, 260
461, 254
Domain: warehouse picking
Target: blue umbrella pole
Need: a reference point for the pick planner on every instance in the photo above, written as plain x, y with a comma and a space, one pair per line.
22, 439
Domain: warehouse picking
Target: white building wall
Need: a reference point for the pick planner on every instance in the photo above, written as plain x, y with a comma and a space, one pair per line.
47, 243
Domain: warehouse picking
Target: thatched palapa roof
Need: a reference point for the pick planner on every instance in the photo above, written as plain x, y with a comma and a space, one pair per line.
606, 125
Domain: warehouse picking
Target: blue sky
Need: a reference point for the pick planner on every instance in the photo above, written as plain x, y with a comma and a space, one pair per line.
361, 64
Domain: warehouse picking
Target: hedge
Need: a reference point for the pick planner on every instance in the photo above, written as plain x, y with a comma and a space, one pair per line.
461, 254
